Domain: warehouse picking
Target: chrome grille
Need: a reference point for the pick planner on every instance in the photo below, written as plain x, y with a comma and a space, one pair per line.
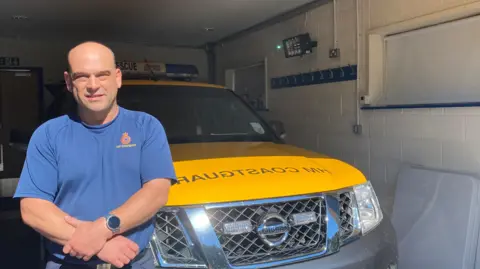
170, 240
345, 200
248, 248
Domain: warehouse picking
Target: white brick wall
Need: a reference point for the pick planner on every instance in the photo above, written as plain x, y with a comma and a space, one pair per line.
321, 117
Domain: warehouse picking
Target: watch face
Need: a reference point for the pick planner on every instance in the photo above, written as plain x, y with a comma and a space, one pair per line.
114, 222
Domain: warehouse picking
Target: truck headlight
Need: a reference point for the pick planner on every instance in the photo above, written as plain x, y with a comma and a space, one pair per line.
369, 210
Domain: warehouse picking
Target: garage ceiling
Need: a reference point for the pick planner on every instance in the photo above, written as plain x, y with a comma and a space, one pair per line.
155, 22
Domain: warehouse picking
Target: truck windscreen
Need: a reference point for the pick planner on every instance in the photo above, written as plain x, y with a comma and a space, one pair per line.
196, 114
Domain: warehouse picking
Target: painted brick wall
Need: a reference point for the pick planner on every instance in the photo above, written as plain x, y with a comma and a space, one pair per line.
320, 117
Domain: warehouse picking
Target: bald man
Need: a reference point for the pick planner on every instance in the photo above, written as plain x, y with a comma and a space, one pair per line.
93, 180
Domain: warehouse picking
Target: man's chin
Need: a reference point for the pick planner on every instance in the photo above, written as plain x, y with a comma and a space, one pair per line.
99, 108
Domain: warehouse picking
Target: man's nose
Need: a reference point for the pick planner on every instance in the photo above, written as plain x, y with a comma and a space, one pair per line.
93, 84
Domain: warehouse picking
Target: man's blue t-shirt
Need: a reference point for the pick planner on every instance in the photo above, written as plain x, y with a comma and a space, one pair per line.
87, 171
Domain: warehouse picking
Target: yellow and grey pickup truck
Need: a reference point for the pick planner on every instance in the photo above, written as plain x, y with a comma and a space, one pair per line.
246, 199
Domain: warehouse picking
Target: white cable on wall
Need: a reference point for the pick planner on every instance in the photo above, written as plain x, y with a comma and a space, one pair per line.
335, 37
357, 84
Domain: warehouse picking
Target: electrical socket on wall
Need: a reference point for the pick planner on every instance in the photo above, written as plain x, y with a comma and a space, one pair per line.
357, 129
334, 53
365, 100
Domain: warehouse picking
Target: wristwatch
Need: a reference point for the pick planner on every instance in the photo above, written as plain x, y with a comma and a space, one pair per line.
113, 223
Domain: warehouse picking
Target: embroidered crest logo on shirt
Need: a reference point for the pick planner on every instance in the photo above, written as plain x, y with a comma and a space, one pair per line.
125, 141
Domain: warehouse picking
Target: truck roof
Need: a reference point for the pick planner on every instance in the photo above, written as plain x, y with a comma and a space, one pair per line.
170, 83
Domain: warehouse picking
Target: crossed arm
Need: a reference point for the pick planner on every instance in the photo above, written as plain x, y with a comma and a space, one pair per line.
144, 204
85, 239
89, 237
47, 219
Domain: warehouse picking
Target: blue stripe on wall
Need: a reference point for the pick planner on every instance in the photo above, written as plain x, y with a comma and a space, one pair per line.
429, 105
344, 73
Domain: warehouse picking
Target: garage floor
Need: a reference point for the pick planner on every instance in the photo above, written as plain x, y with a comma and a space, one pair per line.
19, 244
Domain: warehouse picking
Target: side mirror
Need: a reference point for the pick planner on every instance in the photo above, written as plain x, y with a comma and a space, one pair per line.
279, 128
19, 139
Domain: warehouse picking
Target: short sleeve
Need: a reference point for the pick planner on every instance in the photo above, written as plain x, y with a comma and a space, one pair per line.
156, 158
39, 175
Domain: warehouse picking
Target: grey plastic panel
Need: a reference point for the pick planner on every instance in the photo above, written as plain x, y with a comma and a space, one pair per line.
436, 216
8, 186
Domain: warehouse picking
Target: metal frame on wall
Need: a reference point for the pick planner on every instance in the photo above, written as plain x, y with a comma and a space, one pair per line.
266, 80
41, 106
39, 71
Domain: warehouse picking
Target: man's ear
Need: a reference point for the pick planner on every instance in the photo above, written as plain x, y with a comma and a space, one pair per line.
68, 81
118, 77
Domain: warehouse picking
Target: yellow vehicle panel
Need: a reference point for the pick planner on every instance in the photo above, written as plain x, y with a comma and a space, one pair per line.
240, 171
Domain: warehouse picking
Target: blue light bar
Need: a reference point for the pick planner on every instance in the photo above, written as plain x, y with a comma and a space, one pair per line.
181, 70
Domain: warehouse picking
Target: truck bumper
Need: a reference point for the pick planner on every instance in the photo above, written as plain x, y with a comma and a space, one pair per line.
376, 250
